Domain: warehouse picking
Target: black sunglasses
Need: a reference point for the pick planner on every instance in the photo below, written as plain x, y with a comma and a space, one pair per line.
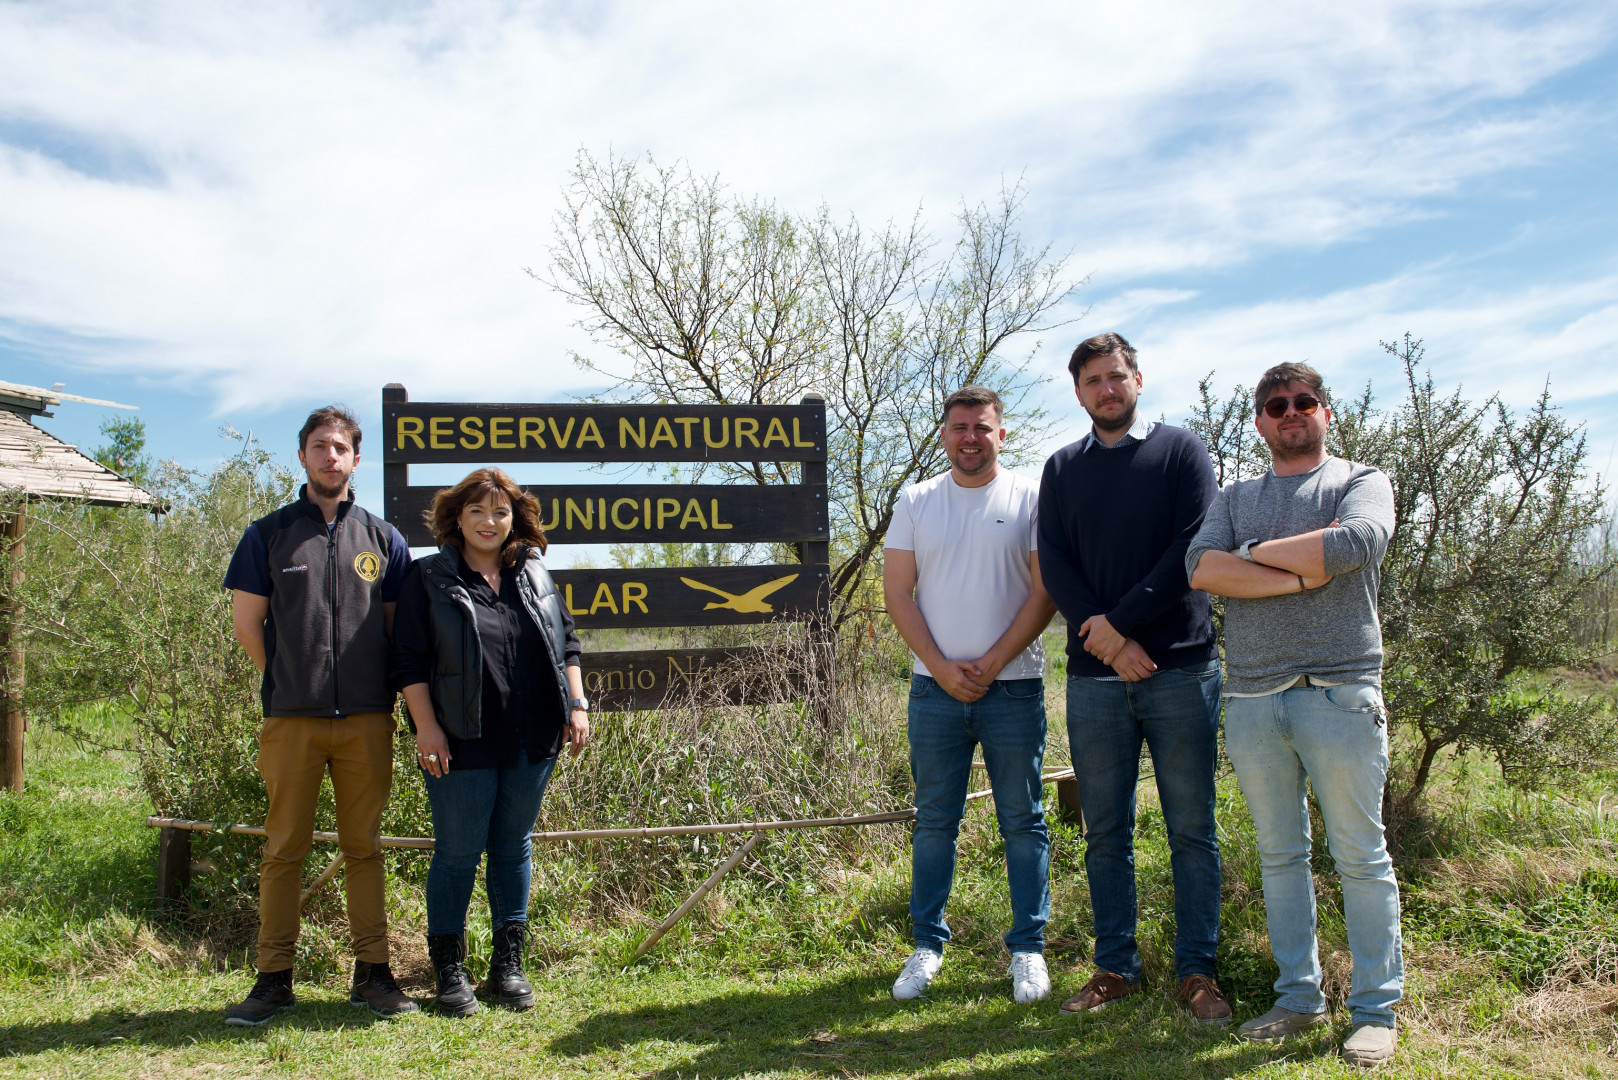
1276, 407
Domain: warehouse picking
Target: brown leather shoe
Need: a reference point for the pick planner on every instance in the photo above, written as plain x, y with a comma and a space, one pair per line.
1206, 1001
1103, 988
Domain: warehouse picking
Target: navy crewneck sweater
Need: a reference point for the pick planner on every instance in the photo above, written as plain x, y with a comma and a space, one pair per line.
1114, 526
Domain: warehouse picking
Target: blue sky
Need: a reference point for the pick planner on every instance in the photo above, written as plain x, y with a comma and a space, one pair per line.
229, 213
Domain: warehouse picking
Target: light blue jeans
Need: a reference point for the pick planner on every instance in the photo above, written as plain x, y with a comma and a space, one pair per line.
1335, 739
1009, 722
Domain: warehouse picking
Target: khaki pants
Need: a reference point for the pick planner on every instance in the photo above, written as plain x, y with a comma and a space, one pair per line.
293, 754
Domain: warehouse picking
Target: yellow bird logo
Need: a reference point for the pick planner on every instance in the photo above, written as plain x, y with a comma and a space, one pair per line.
748, 602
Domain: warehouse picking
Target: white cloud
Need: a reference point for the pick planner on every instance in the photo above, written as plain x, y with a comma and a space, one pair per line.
275, 199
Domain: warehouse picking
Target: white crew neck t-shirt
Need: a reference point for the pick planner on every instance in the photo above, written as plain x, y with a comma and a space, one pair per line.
972, 548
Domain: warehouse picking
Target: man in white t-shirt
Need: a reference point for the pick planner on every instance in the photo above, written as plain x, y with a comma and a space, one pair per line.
962, 586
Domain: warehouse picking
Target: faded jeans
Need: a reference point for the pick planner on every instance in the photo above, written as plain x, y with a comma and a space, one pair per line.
1009, 722
1336, 739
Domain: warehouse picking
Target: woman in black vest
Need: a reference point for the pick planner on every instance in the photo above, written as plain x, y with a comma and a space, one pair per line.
486, 655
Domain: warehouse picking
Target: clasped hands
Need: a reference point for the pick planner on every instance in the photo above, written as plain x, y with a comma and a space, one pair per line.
1123, 654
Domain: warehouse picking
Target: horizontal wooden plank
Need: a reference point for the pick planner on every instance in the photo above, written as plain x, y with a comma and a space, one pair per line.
651, 513
691, 595
417, 432
653, 679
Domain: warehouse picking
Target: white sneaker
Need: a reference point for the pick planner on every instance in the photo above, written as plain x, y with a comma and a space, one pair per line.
1030, 981
918, 972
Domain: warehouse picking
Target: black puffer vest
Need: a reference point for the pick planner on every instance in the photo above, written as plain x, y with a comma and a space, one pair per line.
326, 639
457, 684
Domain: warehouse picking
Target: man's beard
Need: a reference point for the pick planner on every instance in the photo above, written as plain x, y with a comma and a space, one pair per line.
1283, 451
319, 488
973, 464
1123, 423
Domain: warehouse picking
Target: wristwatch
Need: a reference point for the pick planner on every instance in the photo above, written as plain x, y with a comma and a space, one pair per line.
1246, 552
578, 703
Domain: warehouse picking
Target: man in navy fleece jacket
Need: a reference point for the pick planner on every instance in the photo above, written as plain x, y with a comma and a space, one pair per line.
1117, 510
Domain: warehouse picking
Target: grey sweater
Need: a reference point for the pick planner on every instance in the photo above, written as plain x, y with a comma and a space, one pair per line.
1331, 632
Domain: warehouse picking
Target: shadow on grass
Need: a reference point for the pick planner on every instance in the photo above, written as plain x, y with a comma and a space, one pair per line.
170, 1028
852, 1026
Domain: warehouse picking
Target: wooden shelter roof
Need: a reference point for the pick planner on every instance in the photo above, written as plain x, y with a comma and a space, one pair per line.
35, 461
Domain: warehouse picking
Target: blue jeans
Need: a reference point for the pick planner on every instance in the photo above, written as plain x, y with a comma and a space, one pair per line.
1335, 739
478, 810
1176, 713
1009, 722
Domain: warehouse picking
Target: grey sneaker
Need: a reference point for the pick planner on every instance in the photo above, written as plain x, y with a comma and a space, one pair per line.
918, 972
1369, 1044
1278, 1023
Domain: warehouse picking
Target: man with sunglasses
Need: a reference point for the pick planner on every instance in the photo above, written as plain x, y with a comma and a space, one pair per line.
1298, 552
1117, 510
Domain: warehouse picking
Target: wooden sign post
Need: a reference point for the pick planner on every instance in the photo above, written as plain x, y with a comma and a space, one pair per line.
483, 434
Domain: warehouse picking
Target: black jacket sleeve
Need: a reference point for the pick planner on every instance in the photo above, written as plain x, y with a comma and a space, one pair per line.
410, 660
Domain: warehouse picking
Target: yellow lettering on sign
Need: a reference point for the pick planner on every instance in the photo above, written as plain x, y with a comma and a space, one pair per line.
410, 427
585, 514
530, 427
776, 432
439, 434
592, 681
500, 437
561, 437
746, 428
589, 432
666, 508
625, 433
603, 599
635, 593
713, 505
724, 433
556, 516
471, 428
617, 522
615, 680
686, 422
645, 680
662, 432
567, 591
797, 438
693, 512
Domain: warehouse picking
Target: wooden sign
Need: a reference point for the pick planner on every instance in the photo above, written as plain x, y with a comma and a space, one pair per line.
480, 434
626, 681
690, 595
417, 432
650, 513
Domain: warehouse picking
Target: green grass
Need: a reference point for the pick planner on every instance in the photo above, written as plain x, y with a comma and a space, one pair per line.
1511, 923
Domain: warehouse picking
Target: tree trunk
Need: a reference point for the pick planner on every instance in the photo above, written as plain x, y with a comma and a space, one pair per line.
12, 725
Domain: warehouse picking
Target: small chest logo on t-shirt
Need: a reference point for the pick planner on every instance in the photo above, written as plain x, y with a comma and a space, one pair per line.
367, 565
301, 568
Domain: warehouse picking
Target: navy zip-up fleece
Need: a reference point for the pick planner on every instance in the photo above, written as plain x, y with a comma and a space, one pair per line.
325, 638
1114, 525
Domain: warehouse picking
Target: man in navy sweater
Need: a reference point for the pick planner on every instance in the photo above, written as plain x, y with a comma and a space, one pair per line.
1117, 510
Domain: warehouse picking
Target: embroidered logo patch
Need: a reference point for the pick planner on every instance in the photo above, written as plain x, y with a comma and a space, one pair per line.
367, 565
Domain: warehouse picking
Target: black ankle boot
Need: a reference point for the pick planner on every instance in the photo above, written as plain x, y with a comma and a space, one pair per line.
506, 982
455, 994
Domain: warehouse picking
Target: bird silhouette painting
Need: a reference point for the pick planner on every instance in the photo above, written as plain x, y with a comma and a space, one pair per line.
747, 603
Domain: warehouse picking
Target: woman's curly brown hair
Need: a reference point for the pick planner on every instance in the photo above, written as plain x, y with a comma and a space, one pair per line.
444, 516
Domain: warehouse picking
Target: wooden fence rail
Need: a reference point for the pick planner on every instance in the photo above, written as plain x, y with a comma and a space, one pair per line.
174, 847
